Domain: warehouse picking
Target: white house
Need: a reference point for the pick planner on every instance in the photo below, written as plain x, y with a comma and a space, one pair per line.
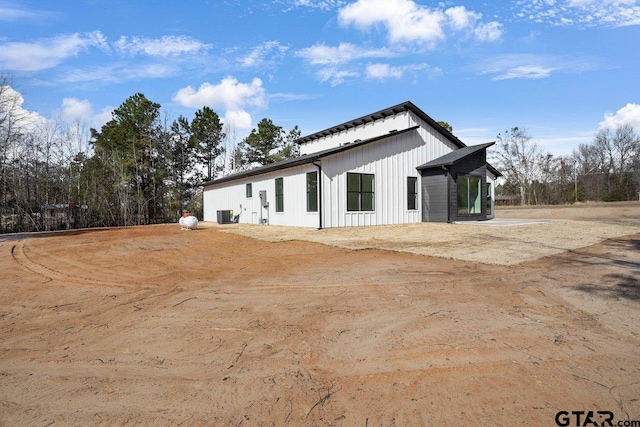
393, 166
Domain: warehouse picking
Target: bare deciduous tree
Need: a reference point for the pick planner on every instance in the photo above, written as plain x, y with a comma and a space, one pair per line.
516, 155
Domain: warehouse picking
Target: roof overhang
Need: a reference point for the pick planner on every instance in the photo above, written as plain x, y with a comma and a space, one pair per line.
391, 111
494, 171
457, 155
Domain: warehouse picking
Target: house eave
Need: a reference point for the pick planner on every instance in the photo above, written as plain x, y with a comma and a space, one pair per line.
454, 156
391, 111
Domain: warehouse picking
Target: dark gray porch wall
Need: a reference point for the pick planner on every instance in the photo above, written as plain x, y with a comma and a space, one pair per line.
434, 195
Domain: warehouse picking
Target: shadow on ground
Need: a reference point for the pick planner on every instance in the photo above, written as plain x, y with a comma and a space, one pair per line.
624, 284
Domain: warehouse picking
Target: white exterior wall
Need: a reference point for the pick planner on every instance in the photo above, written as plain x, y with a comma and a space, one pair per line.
391, 161
400, 121
492, 180
232, 196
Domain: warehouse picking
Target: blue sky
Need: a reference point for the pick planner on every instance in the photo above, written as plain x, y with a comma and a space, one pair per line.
560, 68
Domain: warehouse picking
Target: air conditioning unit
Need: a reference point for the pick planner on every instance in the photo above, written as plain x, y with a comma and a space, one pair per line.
225, 217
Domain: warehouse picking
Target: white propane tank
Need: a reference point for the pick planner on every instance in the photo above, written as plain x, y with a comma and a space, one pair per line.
188, 221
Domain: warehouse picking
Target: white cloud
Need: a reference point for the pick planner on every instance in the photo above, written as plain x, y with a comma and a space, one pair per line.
404, 20
528, 66
81, 110
119, 72
270, 50
336, 77
383, 71
408, 22
321, 54
11, 104
229, 94
529, 72
630, 114
320, 4
488, 32
106, 74
75, 109
237, 119
461, 18
585, 13
289, 96
47, 53
105, 115
17, 14
165, 46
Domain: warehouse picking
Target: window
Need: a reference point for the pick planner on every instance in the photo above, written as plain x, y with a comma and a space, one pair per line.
412, 193
469, 195
312, 192
249, 190
279, 195
488, 198
360, 192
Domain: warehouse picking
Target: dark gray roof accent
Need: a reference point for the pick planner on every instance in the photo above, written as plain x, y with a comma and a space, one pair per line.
454, 156
494, 171
391, 111
305, 159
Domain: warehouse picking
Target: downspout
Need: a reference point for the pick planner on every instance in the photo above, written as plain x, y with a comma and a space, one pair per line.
446, 175
319, 194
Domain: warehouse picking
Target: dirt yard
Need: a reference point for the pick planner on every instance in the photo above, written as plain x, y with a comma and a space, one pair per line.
499, 324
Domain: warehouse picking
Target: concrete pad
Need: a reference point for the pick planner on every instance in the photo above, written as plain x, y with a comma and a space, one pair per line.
500, 222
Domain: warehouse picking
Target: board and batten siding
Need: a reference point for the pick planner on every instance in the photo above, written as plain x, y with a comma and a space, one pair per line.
435, 195
391, 160
365, 131
400, 121
492, 180
232, 196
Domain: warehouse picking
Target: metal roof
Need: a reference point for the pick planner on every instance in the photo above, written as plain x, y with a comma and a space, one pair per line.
494, 171
454, 156
310, 158
306, 158
391, 111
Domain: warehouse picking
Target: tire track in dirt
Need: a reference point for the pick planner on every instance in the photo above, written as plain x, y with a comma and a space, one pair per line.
139, 296
19, 252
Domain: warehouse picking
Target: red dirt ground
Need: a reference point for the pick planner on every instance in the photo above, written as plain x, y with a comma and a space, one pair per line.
158, 326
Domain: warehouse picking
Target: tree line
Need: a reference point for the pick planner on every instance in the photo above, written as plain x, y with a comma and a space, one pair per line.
139, 168
607, 169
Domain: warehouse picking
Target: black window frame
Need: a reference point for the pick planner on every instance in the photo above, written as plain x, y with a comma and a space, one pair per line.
412, 193
248, 190
466, 196
361, 192
312, 191
279, 194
